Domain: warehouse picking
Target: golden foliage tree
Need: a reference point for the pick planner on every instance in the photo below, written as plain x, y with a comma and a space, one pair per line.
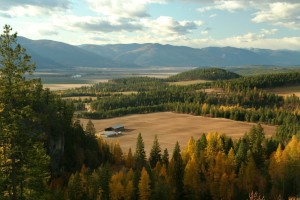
144, 185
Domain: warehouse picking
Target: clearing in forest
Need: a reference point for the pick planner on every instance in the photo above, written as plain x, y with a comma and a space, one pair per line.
171, 127
286, 91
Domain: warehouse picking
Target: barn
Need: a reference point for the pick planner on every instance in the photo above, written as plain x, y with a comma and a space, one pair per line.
116, 128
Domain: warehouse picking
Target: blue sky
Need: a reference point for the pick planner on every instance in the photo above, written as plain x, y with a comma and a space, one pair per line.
271, 24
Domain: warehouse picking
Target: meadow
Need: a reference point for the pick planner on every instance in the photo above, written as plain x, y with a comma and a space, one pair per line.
286, 91
171, 127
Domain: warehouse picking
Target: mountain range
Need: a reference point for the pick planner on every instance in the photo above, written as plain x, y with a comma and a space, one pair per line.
50, 54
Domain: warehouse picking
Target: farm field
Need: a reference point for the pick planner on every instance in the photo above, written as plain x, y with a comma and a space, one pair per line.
171, 127
286, 91
62, 86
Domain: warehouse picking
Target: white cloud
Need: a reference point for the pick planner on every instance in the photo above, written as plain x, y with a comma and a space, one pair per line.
213, 16
269, 32
17, 8
29, 11
280, 13
231, 5
8, 4
204, 32
227, 5
252, 37
292, 43
276, 12
97, 24
163, 30
165, 25
121, 8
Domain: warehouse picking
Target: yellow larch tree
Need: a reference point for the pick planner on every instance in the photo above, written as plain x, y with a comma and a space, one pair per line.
116, 187
144, 185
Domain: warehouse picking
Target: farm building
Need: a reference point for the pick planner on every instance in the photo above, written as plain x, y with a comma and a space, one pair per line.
116, 128
111, 133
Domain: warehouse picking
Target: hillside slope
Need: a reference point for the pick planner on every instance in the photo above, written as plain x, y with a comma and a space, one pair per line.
181, 56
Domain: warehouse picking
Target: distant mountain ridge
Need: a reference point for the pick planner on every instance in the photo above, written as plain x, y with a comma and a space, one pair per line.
58, 55
50, 54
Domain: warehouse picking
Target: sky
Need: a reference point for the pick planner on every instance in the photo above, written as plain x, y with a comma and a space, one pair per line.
269, 24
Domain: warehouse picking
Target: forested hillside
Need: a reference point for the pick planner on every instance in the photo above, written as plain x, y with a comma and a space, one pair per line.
204, 74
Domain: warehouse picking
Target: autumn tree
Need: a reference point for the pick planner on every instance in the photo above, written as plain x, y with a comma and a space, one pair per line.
23, 158
129, 162
144, 185
129, 186
117, 153
90, 128
192, 179
75, 189
129, 191
117, 189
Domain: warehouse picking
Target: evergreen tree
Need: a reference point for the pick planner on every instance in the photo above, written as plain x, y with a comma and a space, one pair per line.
176, 170
23, 157
104, 176
140, 154
241, 154
200, 145
155, 153
90, 128
257, 137
165, 157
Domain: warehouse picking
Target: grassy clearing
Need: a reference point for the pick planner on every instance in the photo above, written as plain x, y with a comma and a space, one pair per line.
54, 87
183, 83
171, 127
286, 91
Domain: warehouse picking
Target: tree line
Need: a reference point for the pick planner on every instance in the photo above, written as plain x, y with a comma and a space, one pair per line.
212, 166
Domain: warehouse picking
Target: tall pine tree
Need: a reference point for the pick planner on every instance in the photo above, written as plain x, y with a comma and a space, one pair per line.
155, 153
140, 154
176, 170
24, 164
